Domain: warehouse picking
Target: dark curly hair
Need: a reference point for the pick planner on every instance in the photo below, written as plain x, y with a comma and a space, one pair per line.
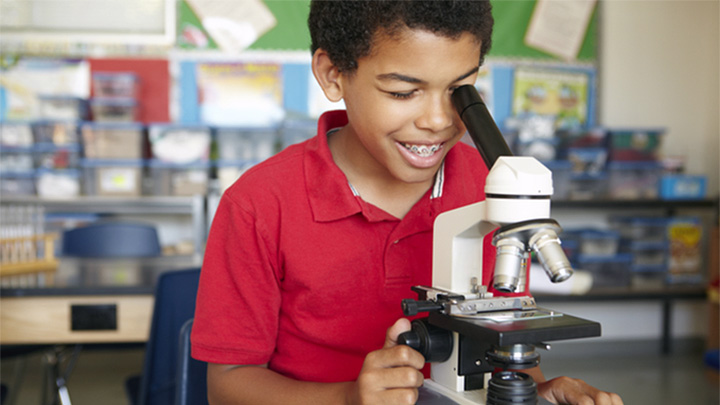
346, 28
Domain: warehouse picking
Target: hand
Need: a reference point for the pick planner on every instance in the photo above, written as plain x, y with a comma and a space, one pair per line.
571, 391
390, 375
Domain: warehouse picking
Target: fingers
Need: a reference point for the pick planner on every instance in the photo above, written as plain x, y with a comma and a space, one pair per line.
400, 326
565, 390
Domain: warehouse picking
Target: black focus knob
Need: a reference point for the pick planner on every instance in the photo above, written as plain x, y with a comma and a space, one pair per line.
435, 344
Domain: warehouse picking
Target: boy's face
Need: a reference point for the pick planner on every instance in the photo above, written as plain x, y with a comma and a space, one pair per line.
398, 102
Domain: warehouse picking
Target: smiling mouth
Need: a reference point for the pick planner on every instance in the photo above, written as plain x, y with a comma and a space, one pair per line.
423, 150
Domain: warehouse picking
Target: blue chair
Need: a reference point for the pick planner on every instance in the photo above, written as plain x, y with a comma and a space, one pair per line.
191, 377
174, 304
111, 239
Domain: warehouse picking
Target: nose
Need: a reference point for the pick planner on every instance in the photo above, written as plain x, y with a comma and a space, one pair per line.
437, 113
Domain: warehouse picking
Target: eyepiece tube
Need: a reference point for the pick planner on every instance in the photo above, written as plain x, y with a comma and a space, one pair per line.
482, 128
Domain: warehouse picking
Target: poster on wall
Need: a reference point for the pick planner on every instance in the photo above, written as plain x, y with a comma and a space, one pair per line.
24, 84
561, 94
240, 94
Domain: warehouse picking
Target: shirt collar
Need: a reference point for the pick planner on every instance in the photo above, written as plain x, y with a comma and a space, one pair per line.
330, 195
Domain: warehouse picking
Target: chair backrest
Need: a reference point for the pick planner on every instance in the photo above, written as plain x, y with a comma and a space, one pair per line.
111, 239
174, 304
190, 380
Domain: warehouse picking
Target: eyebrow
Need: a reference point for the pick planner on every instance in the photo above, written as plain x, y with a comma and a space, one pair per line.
410, 79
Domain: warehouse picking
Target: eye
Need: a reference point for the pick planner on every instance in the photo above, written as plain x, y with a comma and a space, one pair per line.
402, 96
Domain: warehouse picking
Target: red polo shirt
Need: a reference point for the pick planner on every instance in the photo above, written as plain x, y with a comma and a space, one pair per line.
302, 274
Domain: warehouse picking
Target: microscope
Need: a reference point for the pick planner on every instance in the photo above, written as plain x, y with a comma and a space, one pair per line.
476, 340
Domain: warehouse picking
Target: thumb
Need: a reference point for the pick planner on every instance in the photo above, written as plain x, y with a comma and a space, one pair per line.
391, 337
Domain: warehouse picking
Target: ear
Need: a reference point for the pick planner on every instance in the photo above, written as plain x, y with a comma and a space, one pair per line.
327, 75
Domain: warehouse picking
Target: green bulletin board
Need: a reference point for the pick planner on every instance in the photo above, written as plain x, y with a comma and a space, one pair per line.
511, 21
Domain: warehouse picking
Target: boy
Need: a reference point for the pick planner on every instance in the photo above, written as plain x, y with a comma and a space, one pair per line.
312, 251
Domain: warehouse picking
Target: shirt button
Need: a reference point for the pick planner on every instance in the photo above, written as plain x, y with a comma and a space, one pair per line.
395, 242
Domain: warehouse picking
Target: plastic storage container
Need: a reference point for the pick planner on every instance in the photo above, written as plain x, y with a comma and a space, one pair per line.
179, 179
17, 183
115, 84
180, 143
612, 271
49, 156
56, 107
56, 132
588, 161
633, 180
16, 159
634, 144
114, 110
595, 242
683, 187
16, 134
245, 144
58, 183
120, 178
587, 186
113, 140
647, 229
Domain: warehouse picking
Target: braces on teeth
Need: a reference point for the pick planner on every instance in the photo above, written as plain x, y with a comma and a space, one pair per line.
423, 150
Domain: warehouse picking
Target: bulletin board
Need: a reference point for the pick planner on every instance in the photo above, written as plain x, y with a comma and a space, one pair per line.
511, 22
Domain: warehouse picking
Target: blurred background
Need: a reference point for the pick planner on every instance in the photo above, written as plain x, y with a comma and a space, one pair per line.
140, 113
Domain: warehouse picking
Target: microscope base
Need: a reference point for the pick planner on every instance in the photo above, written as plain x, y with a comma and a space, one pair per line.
432, 393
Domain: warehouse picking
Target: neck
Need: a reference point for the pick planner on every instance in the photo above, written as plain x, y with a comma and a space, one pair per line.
372, 181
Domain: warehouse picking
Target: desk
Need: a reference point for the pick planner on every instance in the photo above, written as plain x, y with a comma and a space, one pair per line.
123, 288
666, 295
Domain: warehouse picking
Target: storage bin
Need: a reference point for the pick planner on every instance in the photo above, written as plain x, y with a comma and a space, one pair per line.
595, 242
16, 134
50, 156
179, 179
13, 159
588, 161
612, 271
55, 132
247, 144
633, 180
58, 107
115, 84
120, 178
634, 144
113, 140
647, 229
114, 109
648, 280
297, 130
17, 183
587, 186
58, 183
682, 187
180, 143
561, 171
590, 138
648, 254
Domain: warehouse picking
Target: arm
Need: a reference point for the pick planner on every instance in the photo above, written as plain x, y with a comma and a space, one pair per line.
389, 375
566, 390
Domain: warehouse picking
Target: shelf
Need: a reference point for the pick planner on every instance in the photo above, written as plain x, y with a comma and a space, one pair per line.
630, 204
193, 206
630, 294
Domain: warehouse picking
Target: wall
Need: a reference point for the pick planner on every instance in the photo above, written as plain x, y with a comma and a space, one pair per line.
659, 68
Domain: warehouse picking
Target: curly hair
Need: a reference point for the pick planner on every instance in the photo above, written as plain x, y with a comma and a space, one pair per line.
345, 29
